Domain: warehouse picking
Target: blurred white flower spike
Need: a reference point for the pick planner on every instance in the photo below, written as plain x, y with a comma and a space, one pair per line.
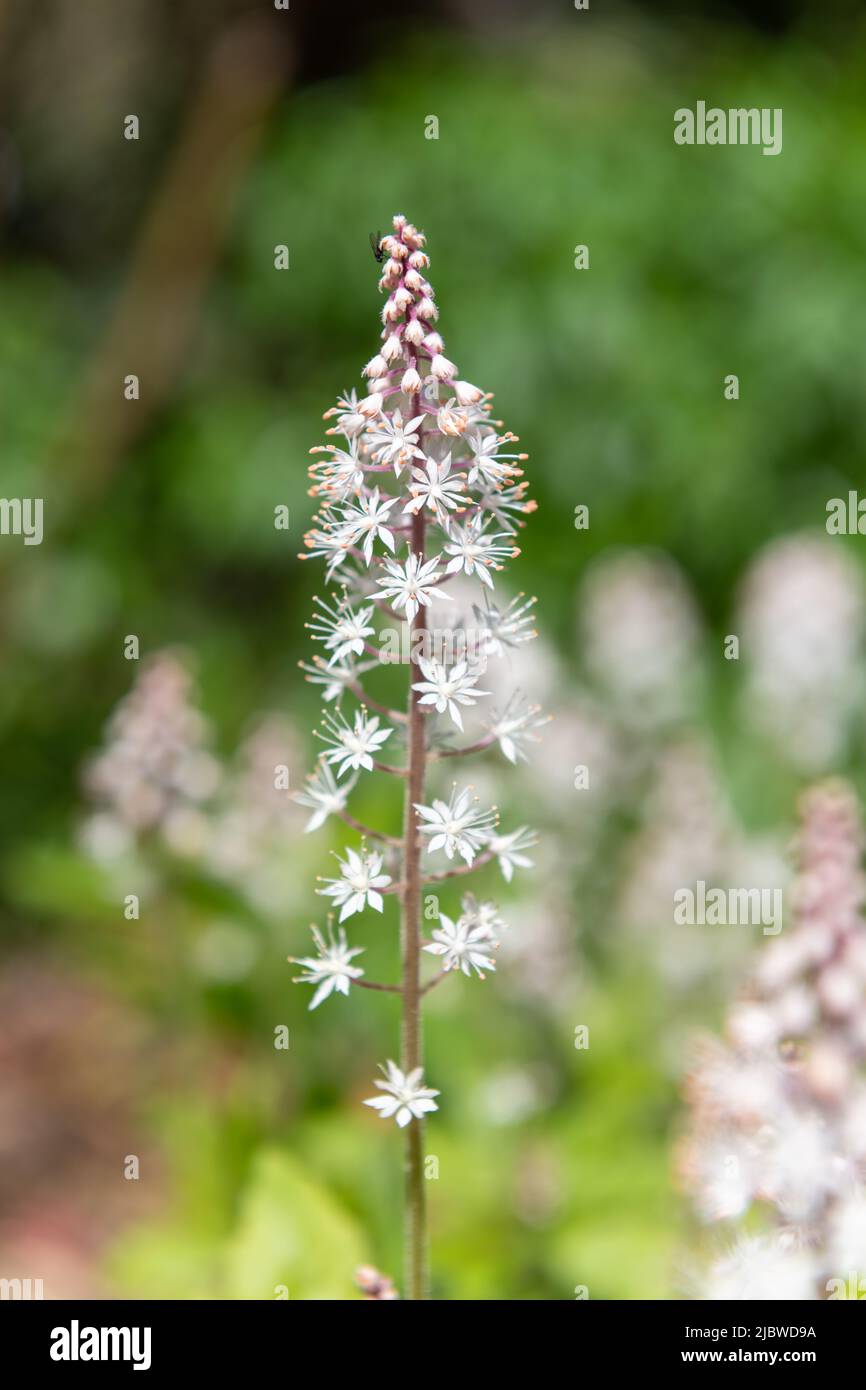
420, 488
777, 1136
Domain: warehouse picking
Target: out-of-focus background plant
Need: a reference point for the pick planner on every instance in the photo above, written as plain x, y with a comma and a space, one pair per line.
155, 1037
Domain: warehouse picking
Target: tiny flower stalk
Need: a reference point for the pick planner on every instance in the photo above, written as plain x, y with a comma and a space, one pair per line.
423, 491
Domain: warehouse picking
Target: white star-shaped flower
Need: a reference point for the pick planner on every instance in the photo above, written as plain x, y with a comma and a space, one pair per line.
406, 1097
324, 795
509, 850
474, 552
446, 690
506, 627
340, 475
334, 679
350, 421
408, 586
367, 521
331, 969
353, 745
450, 420
483, 916
325, 542
359, 883
433, 486
456, 825
516, 726
489, 465
341, 629
501, 501
392, 441
459, 944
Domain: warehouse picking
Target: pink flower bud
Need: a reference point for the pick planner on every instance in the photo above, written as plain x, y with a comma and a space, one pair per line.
412, 237
466, 393
796, 1011
441, 368
414, 332
433, 343
752, 1026
392, 347
411, 382
377, 366
828, 1073
427, 309
419, 260
839, 990
371, 405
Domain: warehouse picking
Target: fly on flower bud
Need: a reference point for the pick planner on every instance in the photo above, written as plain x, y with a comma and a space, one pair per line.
375, 246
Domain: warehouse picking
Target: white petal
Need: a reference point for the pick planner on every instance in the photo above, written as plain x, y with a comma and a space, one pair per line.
322, 992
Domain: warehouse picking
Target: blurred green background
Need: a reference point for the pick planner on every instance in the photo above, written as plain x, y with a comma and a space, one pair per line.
154, 1037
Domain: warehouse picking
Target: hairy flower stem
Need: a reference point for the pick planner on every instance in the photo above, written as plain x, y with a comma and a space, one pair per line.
415, 1229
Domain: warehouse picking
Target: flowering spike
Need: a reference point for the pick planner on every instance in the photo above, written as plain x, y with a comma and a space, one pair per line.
778, 1109
421, 485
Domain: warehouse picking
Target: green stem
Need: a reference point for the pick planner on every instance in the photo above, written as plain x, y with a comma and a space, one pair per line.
415, 1229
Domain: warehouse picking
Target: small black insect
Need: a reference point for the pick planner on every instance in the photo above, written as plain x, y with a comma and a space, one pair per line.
375, 238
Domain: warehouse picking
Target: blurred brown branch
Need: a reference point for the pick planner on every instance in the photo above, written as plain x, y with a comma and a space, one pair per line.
179, 245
